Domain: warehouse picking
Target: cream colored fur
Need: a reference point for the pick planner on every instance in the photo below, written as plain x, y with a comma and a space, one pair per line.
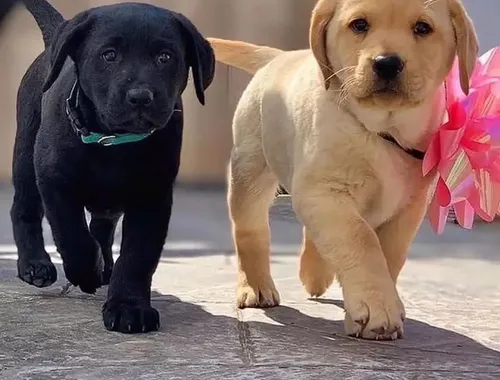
310, 120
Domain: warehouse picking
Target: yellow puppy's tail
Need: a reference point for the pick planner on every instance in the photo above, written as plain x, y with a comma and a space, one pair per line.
242, 55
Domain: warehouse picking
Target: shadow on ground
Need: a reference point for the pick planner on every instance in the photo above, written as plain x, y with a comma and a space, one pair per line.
46, 335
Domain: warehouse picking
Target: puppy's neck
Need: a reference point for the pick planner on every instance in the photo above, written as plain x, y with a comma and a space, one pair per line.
411, 127
88, 115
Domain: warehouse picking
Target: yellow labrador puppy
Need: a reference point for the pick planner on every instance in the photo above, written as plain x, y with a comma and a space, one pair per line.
343, 126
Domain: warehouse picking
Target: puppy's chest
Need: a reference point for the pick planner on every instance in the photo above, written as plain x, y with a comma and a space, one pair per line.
110, 176
107, 186
113, 183
397, 181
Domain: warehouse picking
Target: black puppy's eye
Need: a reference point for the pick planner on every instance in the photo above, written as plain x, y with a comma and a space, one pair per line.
422, 28
360, 25
163, 58
110, 55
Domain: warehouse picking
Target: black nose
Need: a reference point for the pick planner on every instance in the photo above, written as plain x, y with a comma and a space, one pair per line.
140, 97
388, 66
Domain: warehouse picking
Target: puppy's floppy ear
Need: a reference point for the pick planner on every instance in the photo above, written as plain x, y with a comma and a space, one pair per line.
466, 40
200, 57
69, 36
321, 16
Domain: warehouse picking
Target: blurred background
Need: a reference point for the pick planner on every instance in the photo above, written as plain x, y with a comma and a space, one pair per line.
207, 138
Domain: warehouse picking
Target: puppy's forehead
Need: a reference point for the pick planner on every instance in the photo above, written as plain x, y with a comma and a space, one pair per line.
398, 9
141, 22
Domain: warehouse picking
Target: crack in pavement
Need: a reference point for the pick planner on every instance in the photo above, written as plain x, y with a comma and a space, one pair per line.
245, 338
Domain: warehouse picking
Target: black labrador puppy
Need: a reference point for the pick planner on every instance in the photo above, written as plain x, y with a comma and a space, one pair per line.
100, 122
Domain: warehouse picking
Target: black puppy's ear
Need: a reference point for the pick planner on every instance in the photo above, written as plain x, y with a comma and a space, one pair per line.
69, 35
200, 57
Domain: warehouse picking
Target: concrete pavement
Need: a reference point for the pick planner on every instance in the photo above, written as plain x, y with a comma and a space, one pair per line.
450, 288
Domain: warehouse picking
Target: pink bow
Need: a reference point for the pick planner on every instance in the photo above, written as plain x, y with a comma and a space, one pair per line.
465, 151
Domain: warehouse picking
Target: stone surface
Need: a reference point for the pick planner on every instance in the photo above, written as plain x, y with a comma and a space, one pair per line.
450, 288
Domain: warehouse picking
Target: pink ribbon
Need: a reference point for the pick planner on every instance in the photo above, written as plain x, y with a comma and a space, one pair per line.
465, 151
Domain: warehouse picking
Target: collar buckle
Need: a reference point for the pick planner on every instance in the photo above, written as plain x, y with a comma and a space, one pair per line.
106, 140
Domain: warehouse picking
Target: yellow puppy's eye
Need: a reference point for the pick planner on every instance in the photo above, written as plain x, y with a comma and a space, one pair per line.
360, 25
422, 28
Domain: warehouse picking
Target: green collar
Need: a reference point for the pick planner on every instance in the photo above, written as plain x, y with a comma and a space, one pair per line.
110, 140
87, 137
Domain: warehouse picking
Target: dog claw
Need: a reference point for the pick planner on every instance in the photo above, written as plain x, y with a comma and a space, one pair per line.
130, 320
380, 331
37, 272
66, 288
361, 322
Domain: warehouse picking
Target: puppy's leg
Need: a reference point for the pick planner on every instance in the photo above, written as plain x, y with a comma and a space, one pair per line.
80, 252
397, 235
128, 305
351, 246
252, 186
315, 273
34, 264
103, 230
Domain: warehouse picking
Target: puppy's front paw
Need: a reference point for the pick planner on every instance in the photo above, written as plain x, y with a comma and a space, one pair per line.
262, 295
86, 272
128, 318
374, 314
38, 272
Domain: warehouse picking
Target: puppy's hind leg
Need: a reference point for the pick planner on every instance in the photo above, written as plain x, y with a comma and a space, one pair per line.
252, 187
315, 273
34, 264
103, 230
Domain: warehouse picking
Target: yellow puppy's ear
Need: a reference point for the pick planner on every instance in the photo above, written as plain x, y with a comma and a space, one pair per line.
322, 15
467, 42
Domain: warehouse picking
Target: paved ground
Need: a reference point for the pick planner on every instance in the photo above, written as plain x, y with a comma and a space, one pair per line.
450, 287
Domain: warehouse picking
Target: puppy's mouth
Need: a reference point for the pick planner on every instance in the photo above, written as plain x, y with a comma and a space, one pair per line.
386, 93
390, 95
386, 88
135, 125
140, 122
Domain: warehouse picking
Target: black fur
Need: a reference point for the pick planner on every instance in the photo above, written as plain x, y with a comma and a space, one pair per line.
58, 176
5, 7
47, 18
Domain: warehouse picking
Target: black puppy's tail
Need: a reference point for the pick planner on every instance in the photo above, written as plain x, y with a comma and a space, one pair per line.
46, 16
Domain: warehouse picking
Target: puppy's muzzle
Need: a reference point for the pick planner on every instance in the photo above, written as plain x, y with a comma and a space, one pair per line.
140, 98
388, 67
